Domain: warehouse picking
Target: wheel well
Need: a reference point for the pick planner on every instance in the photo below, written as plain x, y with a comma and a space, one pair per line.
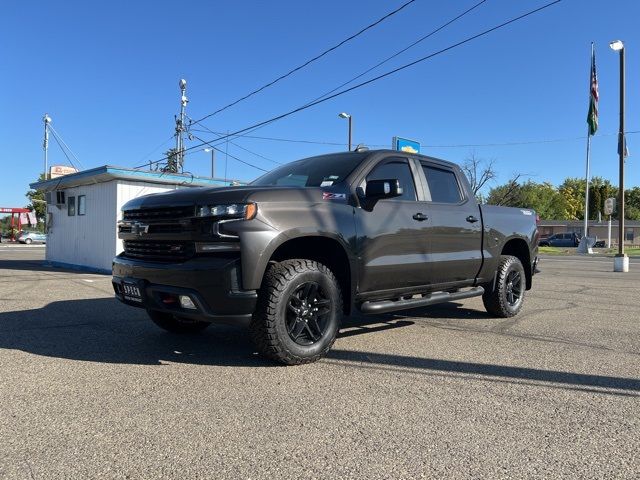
323, 250
519, 249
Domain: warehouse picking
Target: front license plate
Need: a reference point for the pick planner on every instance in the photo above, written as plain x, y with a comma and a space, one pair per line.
131, 292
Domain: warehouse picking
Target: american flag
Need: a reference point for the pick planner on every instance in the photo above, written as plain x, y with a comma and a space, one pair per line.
592, 116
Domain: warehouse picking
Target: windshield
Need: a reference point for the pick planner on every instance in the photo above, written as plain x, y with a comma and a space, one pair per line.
321, 171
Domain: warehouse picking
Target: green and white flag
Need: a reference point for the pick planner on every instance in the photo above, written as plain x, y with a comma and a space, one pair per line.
592, 116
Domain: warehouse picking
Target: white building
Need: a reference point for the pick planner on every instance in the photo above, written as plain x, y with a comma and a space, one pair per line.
84, 208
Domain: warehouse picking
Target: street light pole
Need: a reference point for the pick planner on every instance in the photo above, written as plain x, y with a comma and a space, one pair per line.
348, 117
213, 160
621, 261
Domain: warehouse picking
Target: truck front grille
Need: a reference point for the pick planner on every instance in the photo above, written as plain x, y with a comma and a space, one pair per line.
164, 213
170, 251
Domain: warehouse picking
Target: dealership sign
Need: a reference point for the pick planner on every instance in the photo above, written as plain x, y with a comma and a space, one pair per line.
406, 145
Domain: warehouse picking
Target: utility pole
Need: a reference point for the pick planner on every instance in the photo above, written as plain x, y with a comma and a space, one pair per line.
621, 260
47, 120
45, 146
179, 158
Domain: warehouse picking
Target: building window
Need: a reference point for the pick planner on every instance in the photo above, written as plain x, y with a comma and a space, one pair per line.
82, 204
71, 206
628, 235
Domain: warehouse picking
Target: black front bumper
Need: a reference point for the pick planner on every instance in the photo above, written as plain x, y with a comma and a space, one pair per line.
213, 284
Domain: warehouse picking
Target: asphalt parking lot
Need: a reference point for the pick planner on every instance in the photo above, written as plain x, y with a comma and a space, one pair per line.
90, 388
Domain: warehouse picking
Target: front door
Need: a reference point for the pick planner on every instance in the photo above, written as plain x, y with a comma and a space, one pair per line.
392, 241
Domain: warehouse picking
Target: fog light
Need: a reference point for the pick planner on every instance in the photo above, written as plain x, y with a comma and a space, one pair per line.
186, 302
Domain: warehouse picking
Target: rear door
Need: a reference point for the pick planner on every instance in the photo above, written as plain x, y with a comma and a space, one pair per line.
455, 230
392, 241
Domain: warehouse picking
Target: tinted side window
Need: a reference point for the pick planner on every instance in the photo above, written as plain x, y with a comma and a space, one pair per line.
443, 185
396, 170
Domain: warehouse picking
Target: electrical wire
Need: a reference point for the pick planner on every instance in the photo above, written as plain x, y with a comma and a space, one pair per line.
457, 145
157, 148
210, 144
256, 154
233, 143
379, 77
421, 39
56, 134
400, 52
55, 137
308, 62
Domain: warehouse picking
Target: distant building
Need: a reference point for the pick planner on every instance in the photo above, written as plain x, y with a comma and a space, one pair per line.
84, 208
596, 229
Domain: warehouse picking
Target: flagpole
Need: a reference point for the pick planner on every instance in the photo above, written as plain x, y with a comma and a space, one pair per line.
586, 194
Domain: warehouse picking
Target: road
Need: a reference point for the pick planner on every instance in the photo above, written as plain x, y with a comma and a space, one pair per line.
92, 389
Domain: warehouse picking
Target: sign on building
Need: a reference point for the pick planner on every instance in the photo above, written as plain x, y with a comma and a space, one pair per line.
60, 170
406, 145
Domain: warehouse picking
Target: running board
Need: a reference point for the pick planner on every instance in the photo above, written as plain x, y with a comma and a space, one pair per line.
385, 306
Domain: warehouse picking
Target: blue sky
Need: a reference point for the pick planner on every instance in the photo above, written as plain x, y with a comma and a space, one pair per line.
107, 73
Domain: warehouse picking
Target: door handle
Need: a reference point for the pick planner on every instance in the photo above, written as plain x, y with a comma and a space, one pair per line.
420, 217
471, 219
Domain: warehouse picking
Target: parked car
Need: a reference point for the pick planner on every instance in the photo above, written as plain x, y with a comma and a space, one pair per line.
32, 237
560, 240
319, 238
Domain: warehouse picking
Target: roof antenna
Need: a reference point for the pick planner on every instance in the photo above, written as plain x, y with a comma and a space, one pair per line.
361, 148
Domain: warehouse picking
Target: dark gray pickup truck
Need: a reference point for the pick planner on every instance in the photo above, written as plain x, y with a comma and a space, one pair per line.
319, 238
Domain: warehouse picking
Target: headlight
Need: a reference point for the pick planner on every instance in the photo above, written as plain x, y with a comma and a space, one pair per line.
245, 211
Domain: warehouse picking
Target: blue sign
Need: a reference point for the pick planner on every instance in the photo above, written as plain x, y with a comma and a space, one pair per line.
406, 145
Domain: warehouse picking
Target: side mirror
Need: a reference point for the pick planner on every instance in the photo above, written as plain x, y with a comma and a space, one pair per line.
379, 190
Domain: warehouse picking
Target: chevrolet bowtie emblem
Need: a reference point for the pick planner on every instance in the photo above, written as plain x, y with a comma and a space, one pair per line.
139, 229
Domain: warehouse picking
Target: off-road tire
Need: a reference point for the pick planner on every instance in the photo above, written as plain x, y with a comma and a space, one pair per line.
176, 324
497, 301
269, 330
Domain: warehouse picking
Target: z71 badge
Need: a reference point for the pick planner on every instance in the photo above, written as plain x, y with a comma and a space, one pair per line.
334, 196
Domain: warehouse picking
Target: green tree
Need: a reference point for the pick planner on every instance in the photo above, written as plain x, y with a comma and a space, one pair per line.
172, 161
37, 201
544, 198
632, 203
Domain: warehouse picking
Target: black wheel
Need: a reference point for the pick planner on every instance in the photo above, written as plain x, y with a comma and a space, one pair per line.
28, 241
508, 295
176, 324
298, 313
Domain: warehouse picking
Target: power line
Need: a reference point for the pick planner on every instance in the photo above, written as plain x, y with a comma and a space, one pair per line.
210, 144
55, 137
59, 140
157, 148
456, 145
233, 143
308, 62
256, 154
379, 77
399, 52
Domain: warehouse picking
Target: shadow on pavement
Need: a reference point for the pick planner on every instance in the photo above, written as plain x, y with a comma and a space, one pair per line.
35, 265
370, 359
103, 330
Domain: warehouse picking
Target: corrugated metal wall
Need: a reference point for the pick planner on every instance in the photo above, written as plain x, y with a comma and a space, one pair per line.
91, 240
86, 240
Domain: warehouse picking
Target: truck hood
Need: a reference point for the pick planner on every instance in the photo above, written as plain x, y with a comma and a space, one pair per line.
225, 195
